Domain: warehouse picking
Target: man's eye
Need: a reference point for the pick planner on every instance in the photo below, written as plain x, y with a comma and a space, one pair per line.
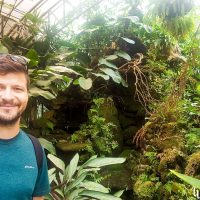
18, 89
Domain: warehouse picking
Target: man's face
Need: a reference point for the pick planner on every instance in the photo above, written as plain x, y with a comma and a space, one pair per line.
13, 97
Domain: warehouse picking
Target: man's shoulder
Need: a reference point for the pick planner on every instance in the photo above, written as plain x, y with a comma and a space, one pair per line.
36, 146
38, 150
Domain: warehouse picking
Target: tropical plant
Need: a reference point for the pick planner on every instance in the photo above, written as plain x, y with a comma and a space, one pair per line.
188, 179
97, 133
75, 182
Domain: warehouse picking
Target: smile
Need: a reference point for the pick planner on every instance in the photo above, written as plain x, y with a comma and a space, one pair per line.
8, 106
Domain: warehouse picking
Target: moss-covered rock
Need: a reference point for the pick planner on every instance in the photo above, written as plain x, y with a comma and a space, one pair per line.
146, 189
170, 159
168, 141
67, 146
132, 158
110, 113
193, 165
117, 177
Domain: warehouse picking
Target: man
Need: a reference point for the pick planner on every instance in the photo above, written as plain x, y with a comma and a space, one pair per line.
19, 175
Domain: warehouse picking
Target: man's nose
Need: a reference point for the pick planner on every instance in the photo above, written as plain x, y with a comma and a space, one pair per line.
7, 94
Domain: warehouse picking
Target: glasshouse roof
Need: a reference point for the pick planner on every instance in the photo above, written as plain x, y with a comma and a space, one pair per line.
62, 13
59, 12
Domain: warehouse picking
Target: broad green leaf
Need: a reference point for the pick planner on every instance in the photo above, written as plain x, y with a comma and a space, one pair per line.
74, 194
45, 83
51, 171
85, 164
76, 182
61, 176
128, 40
111, 57
105, 77
52, 178
58, 191
124, 83
113, 74
103, 61
81, 170
100, 162
62, 69
99, 195
188, 179
72, 167
76, 82
80, 69
83, 58
123, 54
57, 162
46, 73
48, 145
35, 91
67, 79
89, 185
119, 193
86, 84
33, 56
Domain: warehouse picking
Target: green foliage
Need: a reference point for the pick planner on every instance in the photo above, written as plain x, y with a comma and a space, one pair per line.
151, 156
76, 182
33, 21
174, 16
146, 187
172, 9
97, 132
175, 190
188, 179
180, 27
193, 140
48, 146
95, 55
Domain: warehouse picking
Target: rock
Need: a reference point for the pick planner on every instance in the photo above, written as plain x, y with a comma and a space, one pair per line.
170, 159
146, 189
132, 159
117, 177
66, 146
110, 113
193, 165
167, 141
129, 132
125, 121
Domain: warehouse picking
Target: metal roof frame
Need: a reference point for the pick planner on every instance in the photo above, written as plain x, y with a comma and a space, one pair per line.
10, 19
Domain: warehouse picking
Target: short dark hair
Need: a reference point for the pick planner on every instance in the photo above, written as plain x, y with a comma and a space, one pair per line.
13, 64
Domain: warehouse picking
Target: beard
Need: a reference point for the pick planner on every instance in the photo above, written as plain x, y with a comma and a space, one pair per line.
9, 121
10, 116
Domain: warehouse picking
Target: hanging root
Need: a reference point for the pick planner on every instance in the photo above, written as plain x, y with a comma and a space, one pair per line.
163, 109
142, 91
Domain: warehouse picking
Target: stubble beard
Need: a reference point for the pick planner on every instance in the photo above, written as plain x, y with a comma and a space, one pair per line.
7, 118
9, 121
